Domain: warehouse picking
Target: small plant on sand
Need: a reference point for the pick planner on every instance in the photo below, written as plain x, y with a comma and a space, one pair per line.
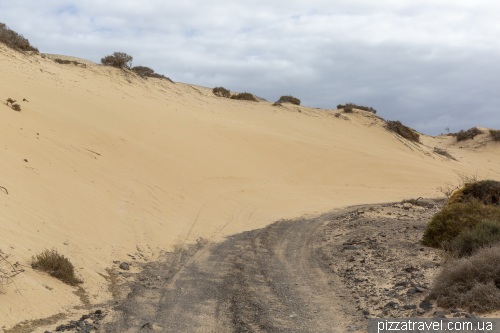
146, 72
471, 283
443, 152
67, 62
56, 265
244, 97
11, 101
14, 40
405, 131
469, 134
355, 106
495, 135
221, 92
13, 105
289, 99
118, 60
348, 109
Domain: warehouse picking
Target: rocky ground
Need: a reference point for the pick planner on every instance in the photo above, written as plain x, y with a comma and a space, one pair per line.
376, 252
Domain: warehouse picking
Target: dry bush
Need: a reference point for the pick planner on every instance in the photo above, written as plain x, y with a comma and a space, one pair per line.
449, 188
471, 283
221, 92
355, 106
289, 99
486, 234
495, 135
418, 202
16, 107
469, 134
118, 60
244, 97
443, 152
455, 218
277, 104
14, 40
67, 62
56, 265
348, 109
405, 131
11, 101
146, 72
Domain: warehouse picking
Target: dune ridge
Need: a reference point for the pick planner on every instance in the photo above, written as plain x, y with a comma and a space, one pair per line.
116, 165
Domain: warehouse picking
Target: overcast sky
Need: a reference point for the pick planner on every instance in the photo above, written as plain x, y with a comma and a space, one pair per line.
430, 64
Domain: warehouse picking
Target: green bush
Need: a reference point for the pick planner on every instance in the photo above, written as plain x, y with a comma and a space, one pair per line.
486, 191
495, 135
244, 97
469, 134
289, 99
405, 131
14, 40
118, 60
56, 265
221, 92
454, 218
470, 283
354, 106
487, 233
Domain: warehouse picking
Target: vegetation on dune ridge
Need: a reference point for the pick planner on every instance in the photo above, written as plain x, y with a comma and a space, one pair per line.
244, 96
118, 60
405, 131
146, 72
221, 92
289, 99
348, 107
471, 133
14, 40
495, 135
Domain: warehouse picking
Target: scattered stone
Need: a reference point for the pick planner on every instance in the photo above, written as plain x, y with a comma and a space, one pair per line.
454, 311
350, 259
125, 266
351, 247
148, 326
354, 328
294, 315
425, 305
439, 314
456, 314
393, 305
116, 261
409, 307
410, 269
470, 315
411, 291
401, 284
420, 290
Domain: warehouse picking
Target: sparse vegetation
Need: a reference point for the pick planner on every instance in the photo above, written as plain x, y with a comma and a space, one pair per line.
471, 282
244, 96
118, 60
455, 218
14, 40
67, 62
146, 72
221, 92
16, 107
348, 109
495, 135
13, 105
289, 99
485, 234
443, 152
418, 202
56, 265
277, 104
485, 191
469, 134
354, 106
405, 131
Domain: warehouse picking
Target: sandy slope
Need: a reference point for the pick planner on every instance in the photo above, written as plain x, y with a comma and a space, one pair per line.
118, 165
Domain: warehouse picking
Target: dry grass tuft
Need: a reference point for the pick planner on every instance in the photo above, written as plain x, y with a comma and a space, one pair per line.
221, 92
118, 60
244, 96
472, 283
495, 135
469, 134
14, 40
289, 99
355, 106
405, 131
418, 202
56, 265
443, 152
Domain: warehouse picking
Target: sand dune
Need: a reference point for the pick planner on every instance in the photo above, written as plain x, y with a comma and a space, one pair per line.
119, 165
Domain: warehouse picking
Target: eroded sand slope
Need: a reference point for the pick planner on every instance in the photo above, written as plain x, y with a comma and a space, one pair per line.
119, 165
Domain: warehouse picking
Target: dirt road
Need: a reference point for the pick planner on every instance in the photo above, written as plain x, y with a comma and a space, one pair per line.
266, 280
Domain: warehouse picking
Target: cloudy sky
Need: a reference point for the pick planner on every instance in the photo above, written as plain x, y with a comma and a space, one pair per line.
431, 64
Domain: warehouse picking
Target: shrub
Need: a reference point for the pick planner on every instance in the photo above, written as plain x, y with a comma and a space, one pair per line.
14, 40
148, 72
418, 202
495, 135
289, 99
443, 152
11, 101
455, 218
469, 134
405, 131
487, 233
244, 96
56, 265
348, 109
359, 107
221, 92
118, 60
485, 191
471, 283
277, 104
16, 107
67, 62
